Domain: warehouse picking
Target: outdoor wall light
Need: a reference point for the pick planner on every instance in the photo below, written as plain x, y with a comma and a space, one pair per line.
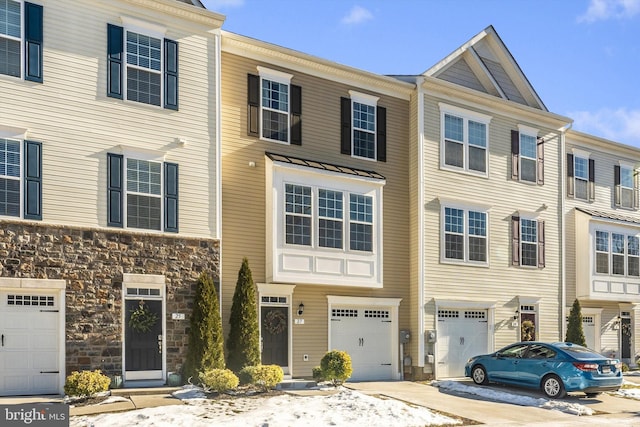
110, 302
300, 309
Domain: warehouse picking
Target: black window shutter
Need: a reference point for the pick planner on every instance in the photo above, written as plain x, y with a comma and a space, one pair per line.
253, 99
115, 39
381, 130
32, 180
616, 184
170, 74
296, 115
515, 153
345, 123
515, 240
33, 42
171, 197
540, 146
570, 180
541, 262
592, 179
115, 190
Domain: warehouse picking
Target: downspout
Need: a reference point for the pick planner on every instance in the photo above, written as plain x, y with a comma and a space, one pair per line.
217, 38
563, 237
421, 237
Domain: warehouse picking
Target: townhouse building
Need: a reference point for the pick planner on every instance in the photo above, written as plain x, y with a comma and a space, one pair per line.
315, 187
602, 255
109, 188
486, 216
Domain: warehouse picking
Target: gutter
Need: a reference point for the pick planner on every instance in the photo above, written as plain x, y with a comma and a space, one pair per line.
563, 246
421, 239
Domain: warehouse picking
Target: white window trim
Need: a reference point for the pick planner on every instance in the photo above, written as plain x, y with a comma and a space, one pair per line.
370, 100
610, 231
20, 178
278, 77
149, 29
466, 208
533, 218
21, 40
149, 156
466, 116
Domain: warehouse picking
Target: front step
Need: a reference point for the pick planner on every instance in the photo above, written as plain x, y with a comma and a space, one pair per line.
143, 391
297, 385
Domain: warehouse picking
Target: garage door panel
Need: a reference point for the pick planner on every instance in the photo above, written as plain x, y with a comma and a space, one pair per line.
461, 334
45, 361
44, 342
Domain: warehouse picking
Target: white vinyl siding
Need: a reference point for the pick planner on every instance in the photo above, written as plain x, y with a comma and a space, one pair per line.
73, 161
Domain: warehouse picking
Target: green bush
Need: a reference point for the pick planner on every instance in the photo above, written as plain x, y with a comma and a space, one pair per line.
267, 376
246, 375
219, 380
336, 366
575, 332
86, 383
625, 367
317, 374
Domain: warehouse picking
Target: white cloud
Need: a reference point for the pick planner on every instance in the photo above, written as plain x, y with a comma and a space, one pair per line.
600, 10
357, 15
621, 125
216, 5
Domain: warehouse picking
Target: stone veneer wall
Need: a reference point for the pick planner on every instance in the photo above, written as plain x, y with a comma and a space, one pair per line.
92, 262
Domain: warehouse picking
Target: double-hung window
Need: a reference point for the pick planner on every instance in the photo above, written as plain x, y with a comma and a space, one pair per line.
142, 64
274, 107
617, 253
528, 241
527, 155
142, 193
465, 235
625, 186
20, 179
21, 36
580, 175
465, 137
316, 211
364, 127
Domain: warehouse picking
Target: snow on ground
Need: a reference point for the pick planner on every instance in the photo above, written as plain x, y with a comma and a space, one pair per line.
516, 399
343, 408
631, 393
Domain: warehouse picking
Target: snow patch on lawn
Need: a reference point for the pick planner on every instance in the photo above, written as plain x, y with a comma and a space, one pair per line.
630, 393
516, 399
343, 408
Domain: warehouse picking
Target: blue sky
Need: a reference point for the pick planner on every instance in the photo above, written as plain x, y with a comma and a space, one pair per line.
581, 56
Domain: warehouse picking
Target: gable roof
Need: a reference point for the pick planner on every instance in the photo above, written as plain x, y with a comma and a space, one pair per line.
485, 64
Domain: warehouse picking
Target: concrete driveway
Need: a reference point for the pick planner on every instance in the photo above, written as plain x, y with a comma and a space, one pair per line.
477, 410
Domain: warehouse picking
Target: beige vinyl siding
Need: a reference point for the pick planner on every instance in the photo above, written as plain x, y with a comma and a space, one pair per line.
78, 124
243, 193
500, 282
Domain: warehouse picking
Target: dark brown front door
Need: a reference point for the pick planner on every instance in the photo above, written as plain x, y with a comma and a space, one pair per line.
275, 335
143, 340
625, 333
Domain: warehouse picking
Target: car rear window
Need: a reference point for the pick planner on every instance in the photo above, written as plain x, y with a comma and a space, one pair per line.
581, 352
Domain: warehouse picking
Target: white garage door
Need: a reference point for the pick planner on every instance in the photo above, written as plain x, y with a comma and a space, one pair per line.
461, 334
364, 333
30, 340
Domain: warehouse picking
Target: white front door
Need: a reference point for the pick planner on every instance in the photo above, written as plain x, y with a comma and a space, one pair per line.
589, 330
30, 338
462, 333
364, 333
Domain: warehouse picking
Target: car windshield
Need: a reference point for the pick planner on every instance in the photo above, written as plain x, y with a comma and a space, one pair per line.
581, 352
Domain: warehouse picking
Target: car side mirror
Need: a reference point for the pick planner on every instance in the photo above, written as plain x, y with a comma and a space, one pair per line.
499, 355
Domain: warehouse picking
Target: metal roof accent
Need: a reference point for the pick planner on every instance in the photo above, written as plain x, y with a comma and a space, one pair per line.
607, 215
323, 166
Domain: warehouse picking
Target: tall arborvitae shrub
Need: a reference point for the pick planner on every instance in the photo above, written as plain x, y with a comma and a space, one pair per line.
243, 343
575, 333
206, 342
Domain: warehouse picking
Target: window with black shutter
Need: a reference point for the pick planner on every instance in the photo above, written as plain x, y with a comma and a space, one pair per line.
363, 127
528, 242
527, 156
20, 26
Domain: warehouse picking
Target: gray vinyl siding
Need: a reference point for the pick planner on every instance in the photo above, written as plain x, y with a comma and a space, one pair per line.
504, 81
500, 282
78, 124
460, 73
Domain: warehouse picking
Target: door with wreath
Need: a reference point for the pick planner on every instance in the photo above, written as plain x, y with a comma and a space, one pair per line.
143, 339
527, 327
274, 331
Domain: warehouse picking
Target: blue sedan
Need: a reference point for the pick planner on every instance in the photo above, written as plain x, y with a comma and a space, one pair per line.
553, 368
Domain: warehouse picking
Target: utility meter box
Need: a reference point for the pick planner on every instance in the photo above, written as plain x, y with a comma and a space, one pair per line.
405, 336
430, 336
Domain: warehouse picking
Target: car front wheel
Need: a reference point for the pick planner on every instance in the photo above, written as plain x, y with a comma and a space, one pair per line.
479, 375
552, 387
